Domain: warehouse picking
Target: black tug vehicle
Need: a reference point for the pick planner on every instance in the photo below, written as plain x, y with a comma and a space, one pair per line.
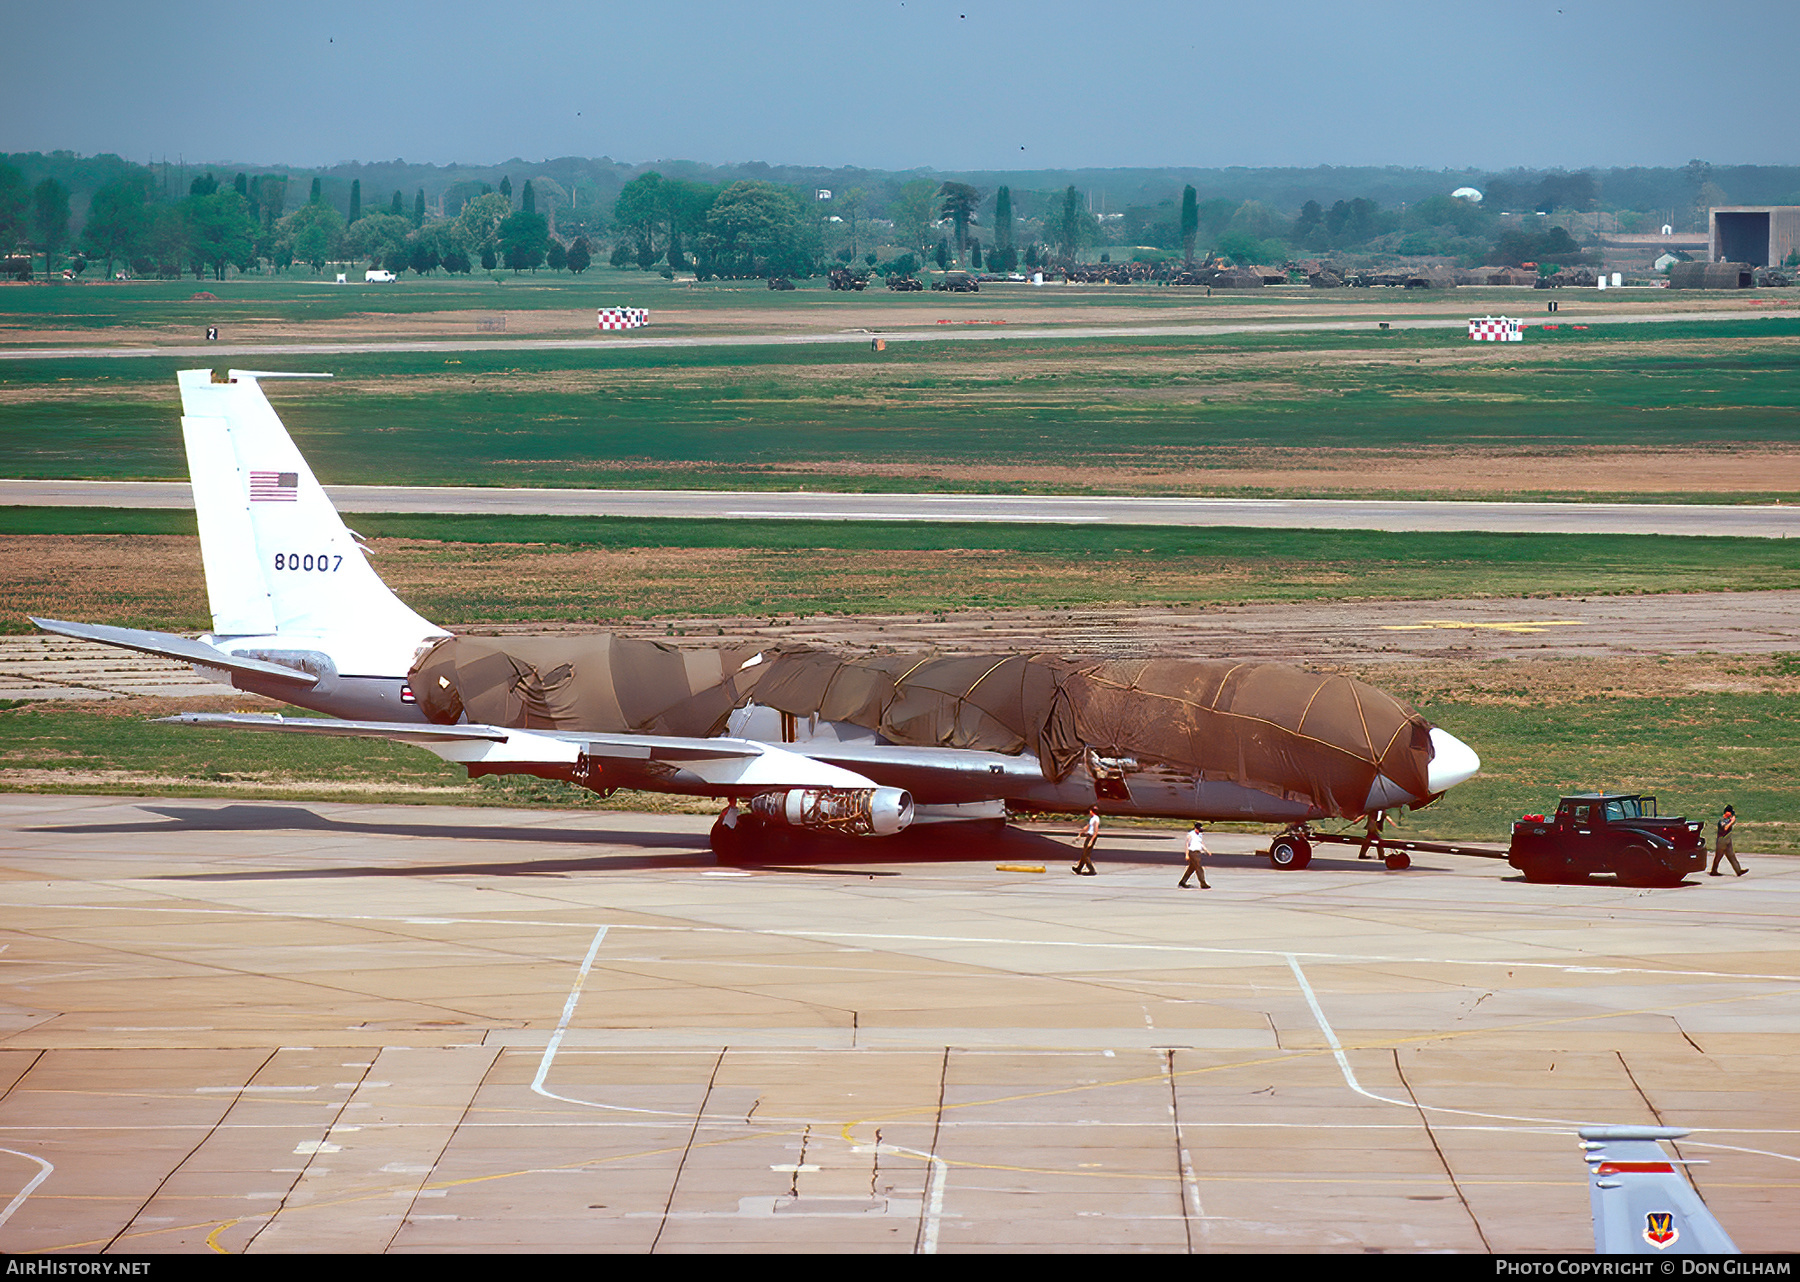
1619, 833
958, 283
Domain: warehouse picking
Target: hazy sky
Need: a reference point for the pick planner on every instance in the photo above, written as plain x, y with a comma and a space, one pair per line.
896, 84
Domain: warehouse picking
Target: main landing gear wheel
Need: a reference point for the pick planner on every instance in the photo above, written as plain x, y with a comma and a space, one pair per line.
754, 841
727, 843
1398, 861
1290, 853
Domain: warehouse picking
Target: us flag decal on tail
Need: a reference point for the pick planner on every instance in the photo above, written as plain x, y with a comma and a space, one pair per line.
274, 487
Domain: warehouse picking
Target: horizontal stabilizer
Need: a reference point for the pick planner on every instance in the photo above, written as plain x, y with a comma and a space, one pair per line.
169, 646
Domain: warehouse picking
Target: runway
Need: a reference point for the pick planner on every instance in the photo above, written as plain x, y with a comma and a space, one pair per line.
318, 1027
978, 332
1740, 520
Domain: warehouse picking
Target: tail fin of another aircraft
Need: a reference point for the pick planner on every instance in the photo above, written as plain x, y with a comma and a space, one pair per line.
1642, 1204
278, 558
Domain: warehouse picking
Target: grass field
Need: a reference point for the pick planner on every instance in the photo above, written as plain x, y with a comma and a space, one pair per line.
1708, 410
1549, 727
104, 310
142, 568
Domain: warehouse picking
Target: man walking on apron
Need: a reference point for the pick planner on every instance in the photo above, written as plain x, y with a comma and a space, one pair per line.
1084, 867
1726, 848
1196, 851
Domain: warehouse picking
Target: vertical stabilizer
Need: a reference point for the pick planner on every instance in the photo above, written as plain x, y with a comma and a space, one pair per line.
278, 558
1642, 1203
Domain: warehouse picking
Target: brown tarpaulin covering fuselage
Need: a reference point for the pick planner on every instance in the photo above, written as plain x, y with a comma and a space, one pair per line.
1279, 730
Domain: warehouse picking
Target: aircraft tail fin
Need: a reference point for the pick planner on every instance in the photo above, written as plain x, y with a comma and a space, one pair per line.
277, 556
1642, 1203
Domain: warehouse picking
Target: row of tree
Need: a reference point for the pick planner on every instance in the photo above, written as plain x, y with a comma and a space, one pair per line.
240, 225
31, 218
743, 228
583, 188
750, 228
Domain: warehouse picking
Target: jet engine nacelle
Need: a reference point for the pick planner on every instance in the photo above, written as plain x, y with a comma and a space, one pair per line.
855, 812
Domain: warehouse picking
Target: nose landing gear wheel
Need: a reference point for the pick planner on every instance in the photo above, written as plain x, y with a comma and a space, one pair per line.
1398, 861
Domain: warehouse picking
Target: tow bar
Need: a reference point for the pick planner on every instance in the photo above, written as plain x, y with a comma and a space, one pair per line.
1293, 848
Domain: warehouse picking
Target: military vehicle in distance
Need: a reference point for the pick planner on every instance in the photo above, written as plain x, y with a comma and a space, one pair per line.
958, 283
904, 284
844, 278
1619, 833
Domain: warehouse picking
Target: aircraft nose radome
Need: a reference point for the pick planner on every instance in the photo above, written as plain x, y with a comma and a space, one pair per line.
1452, 761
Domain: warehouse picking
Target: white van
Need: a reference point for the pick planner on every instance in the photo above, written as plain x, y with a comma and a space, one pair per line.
380, 277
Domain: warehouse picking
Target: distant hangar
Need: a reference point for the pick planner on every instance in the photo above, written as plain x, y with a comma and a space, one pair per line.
1760, 235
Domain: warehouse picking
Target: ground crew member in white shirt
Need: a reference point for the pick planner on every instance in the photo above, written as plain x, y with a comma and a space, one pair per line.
1196, 851
1084, 867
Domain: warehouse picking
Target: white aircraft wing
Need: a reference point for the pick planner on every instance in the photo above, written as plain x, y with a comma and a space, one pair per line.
423, 733
712, 763
1642, 1204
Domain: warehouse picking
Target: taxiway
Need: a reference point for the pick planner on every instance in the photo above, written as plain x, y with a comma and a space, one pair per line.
319, 1027
1592, 312
1748, 520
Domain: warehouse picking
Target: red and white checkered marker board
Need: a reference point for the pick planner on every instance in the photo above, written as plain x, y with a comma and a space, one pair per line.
624, 317
1495, 329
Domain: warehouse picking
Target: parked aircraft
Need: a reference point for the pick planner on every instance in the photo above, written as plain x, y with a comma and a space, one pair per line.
804, 740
